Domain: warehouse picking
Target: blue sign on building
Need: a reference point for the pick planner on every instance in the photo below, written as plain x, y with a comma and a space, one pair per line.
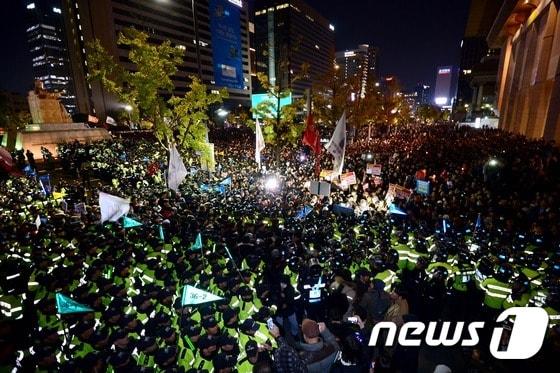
225, 25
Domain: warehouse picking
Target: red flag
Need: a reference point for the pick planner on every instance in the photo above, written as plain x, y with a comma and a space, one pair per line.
311, 136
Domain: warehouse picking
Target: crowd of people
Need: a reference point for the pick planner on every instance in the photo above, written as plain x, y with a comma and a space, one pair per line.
300, 292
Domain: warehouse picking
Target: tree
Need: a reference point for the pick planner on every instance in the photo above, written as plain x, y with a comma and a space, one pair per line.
428, 114
280, 126
180, 120
12, 121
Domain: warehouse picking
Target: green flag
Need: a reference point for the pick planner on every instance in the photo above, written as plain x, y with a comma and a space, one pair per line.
192, 295
66, 305
161, 236
130, 223
197, 245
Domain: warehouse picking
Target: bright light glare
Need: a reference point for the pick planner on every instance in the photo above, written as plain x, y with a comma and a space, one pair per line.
271, 184
302, 158
493, 162
128, 108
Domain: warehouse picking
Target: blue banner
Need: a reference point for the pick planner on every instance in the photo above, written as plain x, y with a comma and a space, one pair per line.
423, 187
225, 26
45, 181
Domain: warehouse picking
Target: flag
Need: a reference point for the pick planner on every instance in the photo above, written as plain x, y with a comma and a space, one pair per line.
226, 181
311, 136
478, 224
38, 222
58, 195
93, 119
177, 170
197, 245
393, 209
259, 142
161, 236
130, 223
110, 121
66, 305
192, 295
112, 207
306, 210
446, 225
337, 146
45, 181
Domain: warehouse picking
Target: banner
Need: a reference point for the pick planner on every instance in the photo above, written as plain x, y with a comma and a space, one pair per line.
208, 158
373, 169
192, 296
327, 175
45, 181
320, 188
302, 214
80, 208
225, 30
342, 210
397, 191
348, 179
423, 187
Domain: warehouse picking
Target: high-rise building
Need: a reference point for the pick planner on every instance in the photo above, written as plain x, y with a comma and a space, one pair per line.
46, 38
213, 33
359, 63
290, 35
528, 34
423, 94
446, 86
479, 63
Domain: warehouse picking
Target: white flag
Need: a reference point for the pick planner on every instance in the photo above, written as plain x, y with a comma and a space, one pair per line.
38, 221
110, 121
177, 171
192, 295
112, 207
337, 145
259, 146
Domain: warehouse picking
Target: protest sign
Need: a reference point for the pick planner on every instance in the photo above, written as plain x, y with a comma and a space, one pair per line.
373, 169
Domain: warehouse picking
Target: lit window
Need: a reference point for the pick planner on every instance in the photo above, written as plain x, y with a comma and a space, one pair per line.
31, 6
331, 27
57, 10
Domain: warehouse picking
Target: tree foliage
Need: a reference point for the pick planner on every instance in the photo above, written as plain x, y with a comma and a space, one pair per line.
181, 120
279, 126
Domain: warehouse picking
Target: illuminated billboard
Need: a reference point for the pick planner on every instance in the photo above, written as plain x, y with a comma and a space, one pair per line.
257, 99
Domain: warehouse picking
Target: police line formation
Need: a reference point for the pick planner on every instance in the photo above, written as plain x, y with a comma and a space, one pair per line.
227, 274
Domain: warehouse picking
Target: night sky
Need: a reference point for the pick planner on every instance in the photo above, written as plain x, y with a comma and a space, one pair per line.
413, 36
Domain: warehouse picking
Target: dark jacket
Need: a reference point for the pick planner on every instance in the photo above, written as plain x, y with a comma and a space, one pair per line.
319, 357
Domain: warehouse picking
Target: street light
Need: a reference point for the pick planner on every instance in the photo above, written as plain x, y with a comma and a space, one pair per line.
271, 184
493, 162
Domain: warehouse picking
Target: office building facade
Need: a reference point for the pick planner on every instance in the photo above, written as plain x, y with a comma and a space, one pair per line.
446, 86
47, 42
528, 34
213, 33
289, 35
479, 63
360, 64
